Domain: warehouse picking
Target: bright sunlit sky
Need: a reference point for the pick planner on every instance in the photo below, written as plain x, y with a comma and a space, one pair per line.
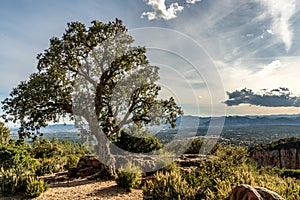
204, 48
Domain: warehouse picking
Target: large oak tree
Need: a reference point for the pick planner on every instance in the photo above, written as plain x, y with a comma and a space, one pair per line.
96, 76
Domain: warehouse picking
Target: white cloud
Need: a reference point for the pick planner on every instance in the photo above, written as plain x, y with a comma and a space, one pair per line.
192, 1
270, 31
281, 11
161, 11
274, 65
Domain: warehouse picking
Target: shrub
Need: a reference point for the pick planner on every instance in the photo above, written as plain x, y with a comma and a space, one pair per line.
34, 187
49, 165
4, 134
72, 161
129, 177
13, 156
138, 141
43, 148
170, 185
9, 182
294, 173
15, 183
195, 146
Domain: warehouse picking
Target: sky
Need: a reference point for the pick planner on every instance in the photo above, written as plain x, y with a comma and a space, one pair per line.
229, 57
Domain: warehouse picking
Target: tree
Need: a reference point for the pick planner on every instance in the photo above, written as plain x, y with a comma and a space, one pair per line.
98, 78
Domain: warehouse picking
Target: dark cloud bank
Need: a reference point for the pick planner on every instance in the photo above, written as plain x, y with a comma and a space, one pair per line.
269, 98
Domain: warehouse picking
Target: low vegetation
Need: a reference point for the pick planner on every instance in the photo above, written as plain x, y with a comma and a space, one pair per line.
21, 163
227, 167
129, 176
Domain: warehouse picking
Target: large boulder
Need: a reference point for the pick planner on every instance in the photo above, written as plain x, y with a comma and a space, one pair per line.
89, 166
247, 192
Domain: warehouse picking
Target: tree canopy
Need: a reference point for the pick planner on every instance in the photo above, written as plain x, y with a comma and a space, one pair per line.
95, 75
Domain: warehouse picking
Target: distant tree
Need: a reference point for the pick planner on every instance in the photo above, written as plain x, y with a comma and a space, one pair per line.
4, 134
95, 76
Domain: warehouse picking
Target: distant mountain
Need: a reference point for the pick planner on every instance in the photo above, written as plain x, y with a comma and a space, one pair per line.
189, 121
185, 125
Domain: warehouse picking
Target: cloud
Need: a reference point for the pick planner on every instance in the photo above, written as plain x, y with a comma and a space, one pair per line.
192, 1
161, 11
280, 97
280, 12
274, 65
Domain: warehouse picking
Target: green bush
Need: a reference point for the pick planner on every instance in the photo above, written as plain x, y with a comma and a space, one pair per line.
50, 165
4, 134
170, 185
44, 148
294, 173
72, 161
55, 156
137, 141
34, 187
129, 177
15, 183
9, 182
195, 146
13, 156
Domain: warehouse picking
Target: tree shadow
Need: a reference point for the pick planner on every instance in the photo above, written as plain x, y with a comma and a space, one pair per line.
70, 183
110, 191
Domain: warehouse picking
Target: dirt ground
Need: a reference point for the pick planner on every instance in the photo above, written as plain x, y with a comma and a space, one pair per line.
62, 188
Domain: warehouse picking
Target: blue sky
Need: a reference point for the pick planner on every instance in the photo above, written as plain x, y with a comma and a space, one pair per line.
203, 47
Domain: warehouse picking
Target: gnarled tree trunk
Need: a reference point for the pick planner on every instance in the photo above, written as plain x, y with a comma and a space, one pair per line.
103, 147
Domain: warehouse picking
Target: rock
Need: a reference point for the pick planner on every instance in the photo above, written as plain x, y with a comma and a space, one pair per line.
247, 192
190, 160
88, 166
282, 158
268, 194
284, 153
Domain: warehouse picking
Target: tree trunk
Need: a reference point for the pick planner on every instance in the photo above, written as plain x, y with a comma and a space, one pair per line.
103, 147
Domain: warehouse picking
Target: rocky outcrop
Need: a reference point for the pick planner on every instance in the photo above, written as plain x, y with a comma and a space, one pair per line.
282, 154
248, 192
88, 166
282, 158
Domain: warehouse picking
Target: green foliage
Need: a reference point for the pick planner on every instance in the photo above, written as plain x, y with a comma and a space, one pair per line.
43, 148
34, 187
72, 161
14, 156
43, 157
294, 173
15, 183
54, 156
138, 141
226, 168
286, 143
103, 58
10, 182
195, 146
50, 165
4, 134
170, 185
129, 177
